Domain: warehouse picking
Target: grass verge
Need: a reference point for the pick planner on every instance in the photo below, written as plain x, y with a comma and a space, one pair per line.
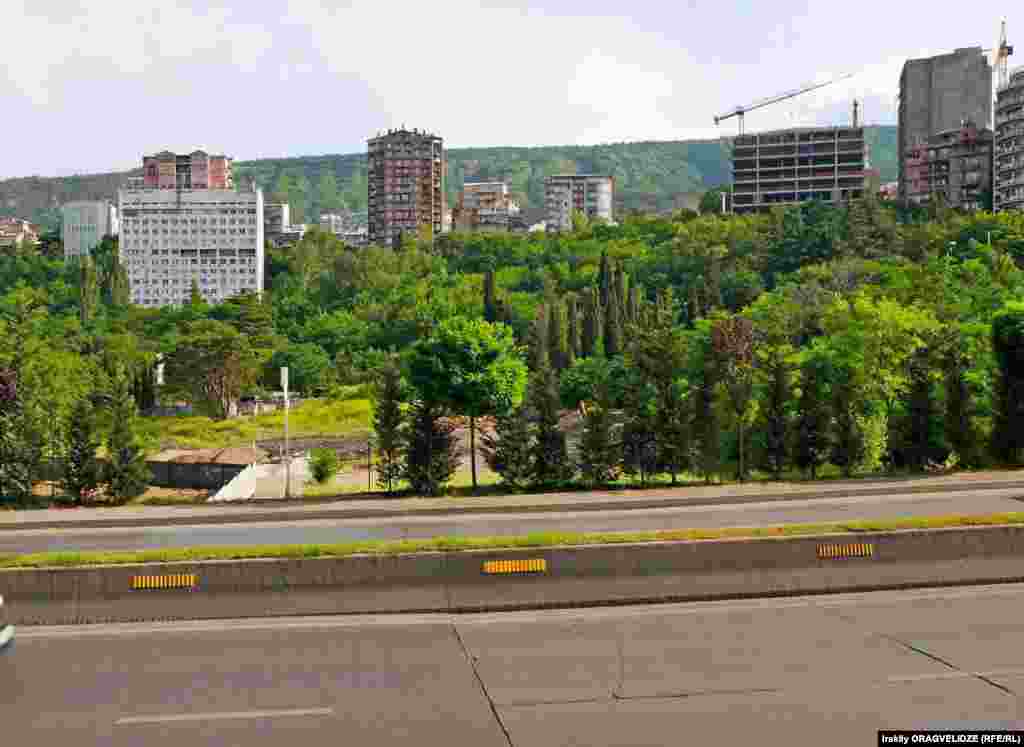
454, 544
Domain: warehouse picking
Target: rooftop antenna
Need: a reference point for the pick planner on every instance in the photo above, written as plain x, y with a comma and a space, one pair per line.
1002, 51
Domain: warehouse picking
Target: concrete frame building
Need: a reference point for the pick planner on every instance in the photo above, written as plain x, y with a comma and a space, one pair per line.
936, 95
276, 218
172, 238
85, 223
591, 194
1008, 189
785, 167
405, 184
485, 206
956, 164
17, 232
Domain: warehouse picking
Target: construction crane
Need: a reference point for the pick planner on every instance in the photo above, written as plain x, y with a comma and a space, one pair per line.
739, 111
1002, 52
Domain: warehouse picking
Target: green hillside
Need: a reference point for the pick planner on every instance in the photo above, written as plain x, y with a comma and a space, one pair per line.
650, 176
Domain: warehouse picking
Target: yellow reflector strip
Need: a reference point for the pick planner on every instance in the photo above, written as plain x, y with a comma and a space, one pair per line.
174, 581
850, 550
531, 565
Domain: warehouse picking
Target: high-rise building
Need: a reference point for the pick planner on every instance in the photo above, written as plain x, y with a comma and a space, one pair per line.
955, 165
85, 224
591, 194
177, 236
936, 95
405, 191
1008, 191
485, 206
784, 167
196, 170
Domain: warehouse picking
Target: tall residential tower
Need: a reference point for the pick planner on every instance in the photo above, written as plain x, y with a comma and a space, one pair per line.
405, 192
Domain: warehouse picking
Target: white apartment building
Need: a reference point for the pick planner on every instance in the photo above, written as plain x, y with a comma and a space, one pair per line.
171, 238
592, 195
85, 224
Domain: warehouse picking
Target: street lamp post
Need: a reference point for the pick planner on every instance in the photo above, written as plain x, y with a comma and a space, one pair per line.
287, 452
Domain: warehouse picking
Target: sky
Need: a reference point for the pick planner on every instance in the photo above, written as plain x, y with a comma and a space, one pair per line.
90, 86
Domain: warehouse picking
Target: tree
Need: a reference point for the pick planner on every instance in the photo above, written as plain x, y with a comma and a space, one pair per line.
195, 297
573, 328
961, 432
88, 290
556, 338
127, 474
733, 340
604, 280
212, 363
329, 197
21, 438
389, 425
551, 454
431, 456
922, 422
812, 418
613, 326
711, 201
600, 453
778, 395
848, 441
591, 343
471, 366
308, 367
82, 472
509, 448
705, 419
490, 297
1008, 401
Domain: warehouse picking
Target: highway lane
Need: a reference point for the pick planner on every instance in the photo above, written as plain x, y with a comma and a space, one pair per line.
779, 671
491, 524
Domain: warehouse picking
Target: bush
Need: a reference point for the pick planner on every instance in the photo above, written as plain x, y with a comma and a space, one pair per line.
324, 465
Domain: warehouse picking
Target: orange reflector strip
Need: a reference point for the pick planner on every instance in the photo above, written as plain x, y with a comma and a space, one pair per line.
174, 581
849, 550
531, 565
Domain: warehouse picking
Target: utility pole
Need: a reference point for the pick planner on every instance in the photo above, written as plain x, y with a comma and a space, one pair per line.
287, 452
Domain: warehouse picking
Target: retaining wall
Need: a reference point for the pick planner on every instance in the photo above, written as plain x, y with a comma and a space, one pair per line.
572, 576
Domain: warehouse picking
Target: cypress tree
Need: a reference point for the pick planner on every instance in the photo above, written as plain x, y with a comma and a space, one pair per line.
127, 473
604, 279
600, 453
389, 425
848, 442
613, 327
812, 419
510, 447
550, 454
572, 347
622, 295
490, 300
82, 473
959, 415
639, 436
537, 339
635, 295
431, 456
590, 342
556, 337
88, 289
777, 415
120, 292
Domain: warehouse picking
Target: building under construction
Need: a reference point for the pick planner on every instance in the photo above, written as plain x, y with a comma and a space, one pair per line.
782, 167
954, 166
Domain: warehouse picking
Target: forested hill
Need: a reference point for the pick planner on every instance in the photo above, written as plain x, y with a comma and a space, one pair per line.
650, 176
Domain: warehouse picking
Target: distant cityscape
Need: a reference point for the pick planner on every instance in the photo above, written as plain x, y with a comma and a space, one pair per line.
185, 224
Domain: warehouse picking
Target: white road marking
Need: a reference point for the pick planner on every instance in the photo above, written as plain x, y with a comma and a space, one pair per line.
178, 717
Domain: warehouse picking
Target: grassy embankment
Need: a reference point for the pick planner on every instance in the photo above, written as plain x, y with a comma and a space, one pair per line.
452, 544
311, 419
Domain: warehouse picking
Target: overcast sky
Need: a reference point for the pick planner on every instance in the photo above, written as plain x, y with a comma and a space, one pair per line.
90, 86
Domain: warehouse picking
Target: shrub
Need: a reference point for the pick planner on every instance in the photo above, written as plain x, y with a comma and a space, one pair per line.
324, 465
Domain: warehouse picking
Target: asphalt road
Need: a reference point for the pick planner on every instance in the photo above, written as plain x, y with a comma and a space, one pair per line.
342, 530
822, 670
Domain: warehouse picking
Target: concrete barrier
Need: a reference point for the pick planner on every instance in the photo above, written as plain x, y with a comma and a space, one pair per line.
549, 577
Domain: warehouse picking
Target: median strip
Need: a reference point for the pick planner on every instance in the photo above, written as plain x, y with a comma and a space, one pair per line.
455, 544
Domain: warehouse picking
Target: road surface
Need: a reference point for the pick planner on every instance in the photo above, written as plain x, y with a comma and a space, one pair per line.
792, 671
797, 510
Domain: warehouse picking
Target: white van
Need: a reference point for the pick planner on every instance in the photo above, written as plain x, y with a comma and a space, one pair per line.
6, 631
